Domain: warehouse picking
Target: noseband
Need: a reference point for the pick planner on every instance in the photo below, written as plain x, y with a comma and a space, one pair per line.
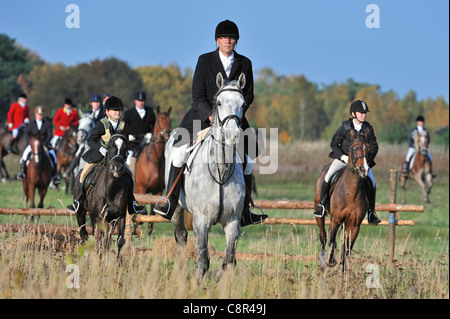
231, 116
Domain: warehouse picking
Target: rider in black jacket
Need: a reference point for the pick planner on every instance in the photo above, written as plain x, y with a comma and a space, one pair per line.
340, 146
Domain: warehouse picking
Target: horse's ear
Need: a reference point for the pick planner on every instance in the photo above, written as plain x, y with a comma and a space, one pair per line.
81, 114
158, 109
170, 110
352, 134
242, 81
219, 80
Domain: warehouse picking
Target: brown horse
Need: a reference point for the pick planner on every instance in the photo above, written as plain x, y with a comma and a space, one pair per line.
108, 199
421, 167
348, 202
5, 138
151, 162
65, 151
38, 173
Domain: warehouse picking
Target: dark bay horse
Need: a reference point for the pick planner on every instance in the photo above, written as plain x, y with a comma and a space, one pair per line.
420, 168
151, 162
19, 147
348, 202
65, 151
38, 173
107, 200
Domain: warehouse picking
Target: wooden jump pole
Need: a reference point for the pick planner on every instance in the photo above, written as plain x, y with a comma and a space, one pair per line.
271, 221
274, 204
392, 221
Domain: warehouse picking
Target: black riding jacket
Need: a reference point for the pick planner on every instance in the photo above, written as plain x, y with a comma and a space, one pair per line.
341, 141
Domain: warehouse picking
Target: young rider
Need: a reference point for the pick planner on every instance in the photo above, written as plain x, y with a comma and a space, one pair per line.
98, 143
340, 145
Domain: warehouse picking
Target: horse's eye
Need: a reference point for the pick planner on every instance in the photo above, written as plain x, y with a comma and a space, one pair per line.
218, 103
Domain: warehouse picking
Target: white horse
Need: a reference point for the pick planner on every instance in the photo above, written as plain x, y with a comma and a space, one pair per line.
85, 124
214, 187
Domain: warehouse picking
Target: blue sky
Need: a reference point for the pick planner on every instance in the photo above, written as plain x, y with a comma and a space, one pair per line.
327, 41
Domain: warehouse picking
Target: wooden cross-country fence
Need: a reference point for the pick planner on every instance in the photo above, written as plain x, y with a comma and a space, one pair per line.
391, 222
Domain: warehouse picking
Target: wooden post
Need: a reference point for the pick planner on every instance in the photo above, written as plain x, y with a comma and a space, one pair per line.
392, 220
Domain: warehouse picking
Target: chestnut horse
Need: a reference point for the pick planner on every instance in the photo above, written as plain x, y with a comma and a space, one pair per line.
38, 173
420, 167
150, 163
348, 202
65, 151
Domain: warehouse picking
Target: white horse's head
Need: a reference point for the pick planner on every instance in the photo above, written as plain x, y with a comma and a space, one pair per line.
85, 125
228, 109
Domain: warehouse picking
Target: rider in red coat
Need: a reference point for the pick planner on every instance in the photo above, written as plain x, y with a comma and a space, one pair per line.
65, 117
18, 115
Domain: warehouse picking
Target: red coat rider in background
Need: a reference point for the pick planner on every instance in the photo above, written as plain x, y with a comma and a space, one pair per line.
65, 117
18, 116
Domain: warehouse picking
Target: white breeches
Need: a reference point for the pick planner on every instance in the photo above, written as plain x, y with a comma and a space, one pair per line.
338, 164
179, 157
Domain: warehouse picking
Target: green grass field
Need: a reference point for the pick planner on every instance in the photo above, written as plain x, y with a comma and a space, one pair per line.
149, 268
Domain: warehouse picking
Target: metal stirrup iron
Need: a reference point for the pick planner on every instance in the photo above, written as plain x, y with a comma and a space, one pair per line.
169, 193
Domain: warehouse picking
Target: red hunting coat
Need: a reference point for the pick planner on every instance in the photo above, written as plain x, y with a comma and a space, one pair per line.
63, 119
17, 115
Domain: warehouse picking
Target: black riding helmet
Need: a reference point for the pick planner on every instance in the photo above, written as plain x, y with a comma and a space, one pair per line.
140, 96
227, 28
359, 106
420, 118
114, 103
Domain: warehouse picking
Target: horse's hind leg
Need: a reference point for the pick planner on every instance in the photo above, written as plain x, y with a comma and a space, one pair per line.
180, 231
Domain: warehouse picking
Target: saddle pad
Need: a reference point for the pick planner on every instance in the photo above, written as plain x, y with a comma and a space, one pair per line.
192, 150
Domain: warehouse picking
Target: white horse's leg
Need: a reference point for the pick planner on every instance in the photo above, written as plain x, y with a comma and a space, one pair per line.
232, 235
201, 229
180, 231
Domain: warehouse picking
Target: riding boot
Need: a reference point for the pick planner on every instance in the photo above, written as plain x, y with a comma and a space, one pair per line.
77, 202
405, 170
372, 217
11, 145
56, 179
23, 170
248, 217
168, 207
320, 209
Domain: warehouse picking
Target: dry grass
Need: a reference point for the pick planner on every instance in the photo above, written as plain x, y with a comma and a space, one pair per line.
35, 266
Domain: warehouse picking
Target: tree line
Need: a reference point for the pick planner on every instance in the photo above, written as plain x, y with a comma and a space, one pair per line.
299, 108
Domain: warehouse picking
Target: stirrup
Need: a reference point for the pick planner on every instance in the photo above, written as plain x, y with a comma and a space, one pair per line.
73, 208
160, 212
56, 180
323, 211
138, 208
262, 216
